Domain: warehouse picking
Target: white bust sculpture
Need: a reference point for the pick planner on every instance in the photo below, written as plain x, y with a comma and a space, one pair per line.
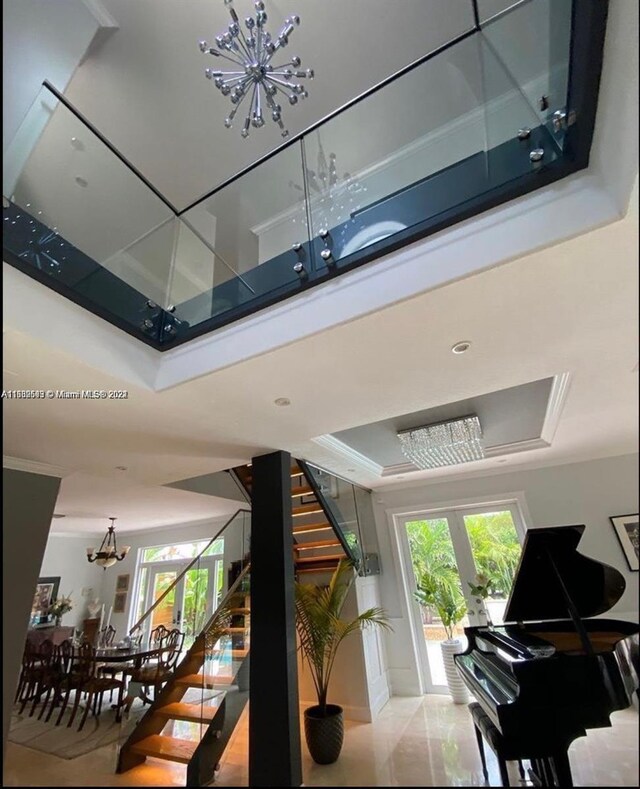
94, 607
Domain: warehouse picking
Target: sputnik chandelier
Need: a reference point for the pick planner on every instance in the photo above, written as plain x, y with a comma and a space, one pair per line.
254, 74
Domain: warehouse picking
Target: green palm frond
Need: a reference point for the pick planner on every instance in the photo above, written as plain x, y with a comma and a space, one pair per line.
320, 628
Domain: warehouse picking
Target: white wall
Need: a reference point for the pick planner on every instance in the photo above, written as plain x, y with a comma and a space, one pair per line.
577, 493
42, 40
66, 556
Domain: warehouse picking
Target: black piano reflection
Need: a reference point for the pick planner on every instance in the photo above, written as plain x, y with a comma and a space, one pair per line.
554, 673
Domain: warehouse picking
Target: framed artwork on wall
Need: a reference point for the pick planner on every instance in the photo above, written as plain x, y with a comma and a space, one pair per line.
122, 583
46, 592
626, 527
119, 602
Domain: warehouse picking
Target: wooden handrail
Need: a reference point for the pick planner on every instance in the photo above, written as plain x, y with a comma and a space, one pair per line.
185, 571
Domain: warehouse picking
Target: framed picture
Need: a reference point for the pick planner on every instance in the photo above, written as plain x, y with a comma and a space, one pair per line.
122, 583
626, 527
46, 592
119, 602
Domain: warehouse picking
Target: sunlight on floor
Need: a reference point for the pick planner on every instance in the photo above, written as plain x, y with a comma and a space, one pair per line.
414, 742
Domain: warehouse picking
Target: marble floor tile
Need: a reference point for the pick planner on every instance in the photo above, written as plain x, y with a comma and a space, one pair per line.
415, 742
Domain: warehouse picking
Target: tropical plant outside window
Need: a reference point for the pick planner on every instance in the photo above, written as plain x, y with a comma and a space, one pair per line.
186, 550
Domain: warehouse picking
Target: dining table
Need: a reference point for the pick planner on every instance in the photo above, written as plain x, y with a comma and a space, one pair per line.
128, 654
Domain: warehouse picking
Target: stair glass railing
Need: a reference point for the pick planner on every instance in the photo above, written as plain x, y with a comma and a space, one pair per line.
489, 116
193, 698
343, 507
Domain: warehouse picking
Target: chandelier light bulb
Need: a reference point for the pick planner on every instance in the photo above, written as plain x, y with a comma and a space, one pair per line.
252, 73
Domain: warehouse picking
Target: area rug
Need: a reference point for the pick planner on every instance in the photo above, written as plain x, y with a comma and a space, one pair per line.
69, 743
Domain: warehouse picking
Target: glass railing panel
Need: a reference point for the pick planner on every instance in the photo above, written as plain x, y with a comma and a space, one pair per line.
531, 45
338, 498
366, 521
79, 215
252, 225
210, 604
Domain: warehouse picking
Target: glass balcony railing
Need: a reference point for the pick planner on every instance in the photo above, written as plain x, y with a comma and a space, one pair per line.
506, 108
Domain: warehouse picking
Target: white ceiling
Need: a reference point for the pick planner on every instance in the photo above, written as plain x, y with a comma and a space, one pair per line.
570, 308
145, 89
88, 500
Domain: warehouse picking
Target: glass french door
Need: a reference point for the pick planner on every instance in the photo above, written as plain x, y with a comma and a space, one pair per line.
191, 602
456, 551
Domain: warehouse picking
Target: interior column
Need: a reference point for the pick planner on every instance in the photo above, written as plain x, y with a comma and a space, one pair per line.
274, 720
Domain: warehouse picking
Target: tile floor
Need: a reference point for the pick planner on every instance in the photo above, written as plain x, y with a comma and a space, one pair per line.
415, 742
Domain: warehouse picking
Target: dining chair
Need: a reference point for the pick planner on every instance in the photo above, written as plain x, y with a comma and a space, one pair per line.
38, 674
155, 674
82, 679
63, 656
106, 636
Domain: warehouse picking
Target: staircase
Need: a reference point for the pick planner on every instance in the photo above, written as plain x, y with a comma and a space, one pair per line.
317, 547
193, 717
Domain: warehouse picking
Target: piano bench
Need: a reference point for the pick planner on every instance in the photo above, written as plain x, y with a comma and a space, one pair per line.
486, 730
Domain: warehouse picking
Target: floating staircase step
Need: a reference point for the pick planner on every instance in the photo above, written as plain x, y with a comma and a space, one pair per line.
303, 546
234, 654
313, 569
236, 629
303, 490
197, 713
296, 471
239, 610
309, 527
169, 748
203, 680
319, 559
306, 509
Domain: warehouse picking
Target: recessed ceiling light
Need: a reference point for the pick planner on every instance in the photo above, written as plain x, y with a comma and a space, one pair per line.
121, 468
461, 347
81, 181
350, 469
501, 460
399, 477
58, 515
282, 401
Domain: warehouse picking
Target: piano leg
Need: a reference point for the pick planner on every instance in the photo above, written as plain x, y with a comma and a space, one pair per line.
562, 769
481, 749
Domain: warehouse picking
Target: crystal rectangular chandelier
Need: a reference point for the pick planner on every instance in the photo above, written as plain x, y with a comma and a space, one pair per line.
443, 444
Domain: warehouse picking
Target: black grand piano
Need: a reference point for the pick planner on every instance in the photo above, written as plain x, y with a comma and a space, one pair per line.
552, 672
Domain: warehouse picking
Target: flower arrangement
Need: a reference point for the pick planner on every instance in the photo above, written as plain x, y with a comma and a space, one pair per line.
60, 606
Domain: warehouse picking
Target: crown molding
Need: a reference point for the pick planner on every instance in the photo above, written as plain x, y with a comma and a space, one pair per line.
359, 460
33, 467
555, 404
98, 11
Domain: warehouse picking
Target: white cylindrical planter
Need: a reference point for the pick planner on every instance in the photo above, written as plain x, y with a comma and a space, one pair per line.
457, 688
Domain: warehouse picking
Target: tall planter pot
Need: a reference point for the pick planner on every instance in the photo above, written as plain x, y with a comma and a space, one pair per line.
457, 688
324, 733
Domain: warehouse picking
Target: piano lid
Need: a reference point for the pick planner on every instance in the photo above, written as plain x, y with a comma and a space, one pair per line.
537, 595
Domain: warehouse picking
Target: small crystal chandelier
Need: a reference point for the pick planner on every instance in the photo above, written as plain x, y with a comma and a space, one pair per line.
444, 443
254, 74
107, 554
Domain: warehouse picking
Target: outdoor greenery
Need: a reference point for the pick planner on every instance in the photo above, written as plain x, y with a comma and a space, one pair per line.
495, 548
321, 629
443, 598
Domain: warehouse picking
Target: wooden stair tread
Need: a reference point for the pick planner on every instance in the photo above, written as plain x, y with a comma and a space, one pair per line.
235, 629
203, 680
236, 654
329, 569
303, 490
239, 610
180, 710
308, 527
170, 748
320, 559
305, 509
302, 546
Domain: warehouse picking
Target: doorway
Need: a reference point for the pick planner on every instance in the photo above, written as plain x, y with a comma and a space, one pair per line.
193, 599
455, 552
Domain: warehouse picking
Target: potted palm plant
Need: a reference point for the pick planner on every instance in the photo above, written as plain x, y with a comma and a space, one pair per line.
444, 596
321, 630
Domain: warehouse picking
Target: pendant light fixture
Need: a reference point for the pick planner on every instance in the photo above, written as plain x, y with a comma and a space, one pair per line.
107, 554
